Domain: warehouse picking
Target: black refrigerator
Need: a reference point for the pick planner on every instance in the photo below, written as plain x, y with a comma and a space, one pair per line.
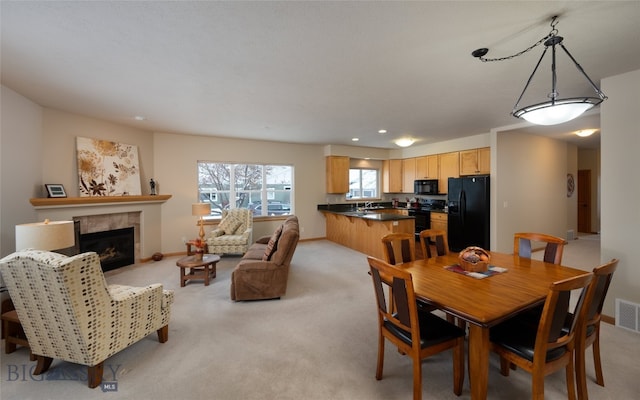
468, 221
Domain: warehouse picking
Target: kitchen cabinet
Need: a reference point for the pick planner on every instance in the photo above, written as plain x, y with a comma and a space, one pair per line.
427, 167
448, 167
408, 174
392, 176
363, 234
439, 221
475, 161
337, 174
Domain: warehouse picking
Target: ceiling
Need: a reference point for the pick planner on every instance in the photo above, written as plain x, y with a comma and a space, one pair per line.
309, 72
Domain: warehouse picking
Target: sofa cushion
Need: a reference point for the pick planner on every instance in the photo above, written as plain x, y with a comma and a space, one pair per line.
273, 244
229, 225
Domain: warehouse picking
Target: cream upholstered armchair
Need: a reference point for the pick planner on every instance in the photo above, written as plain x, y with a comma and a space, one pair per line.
68, 311
233, 234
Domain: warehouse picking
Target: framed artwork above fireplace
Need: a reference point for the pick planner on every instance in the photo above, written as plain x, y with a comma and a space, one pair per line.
107, 168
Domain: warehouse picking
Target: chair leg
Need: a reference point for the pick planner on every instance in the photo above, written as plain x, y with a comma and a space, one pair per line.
94, 375
380, 356
458, 367
597, 363
163, 334
43, 365
504, 366
581, 378
537, 386
571, 384
9, 330
417, 378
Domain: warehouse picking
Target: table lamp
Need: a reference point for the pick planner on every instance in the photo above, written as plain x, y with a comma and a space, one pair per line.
47, 235
200, 210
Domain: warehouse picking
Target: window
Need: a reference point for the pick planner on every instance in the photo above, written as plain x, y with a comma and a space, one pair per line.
363, 183
227, 185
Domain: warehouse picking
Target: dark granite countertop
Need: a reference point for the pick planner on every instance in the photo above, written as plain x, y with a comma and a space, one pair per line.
375, 213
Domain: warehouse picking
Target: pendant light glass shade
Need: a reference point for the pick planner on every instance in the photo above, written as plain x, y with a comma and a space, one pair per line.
553, 113
556, 110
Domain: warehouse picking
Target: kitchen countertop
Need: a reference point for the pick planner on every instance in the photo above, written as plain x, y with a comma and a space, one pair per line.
375, 213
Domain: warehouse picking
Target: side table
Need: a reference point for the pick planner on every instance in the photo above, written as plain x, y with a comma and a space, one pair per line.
197, 269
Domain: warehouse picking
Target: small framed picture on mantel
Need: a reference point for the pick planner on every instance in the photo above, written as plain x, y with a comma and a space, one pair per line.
55, 190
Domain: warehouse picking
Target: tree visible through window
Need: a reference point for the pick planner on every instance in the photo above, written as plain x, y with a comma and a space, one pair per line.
227, 185
363, 183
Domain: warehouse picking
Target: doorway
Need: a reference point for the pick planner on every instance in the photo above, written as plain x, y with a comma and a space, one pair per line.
584, 200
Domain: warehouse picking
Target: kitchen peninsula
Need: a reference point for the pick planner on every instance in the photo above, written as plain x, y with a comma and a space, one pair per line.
362, 228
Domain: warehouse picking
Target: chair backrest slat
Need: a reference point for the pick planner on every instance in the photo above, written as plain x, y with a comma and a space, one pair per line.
554, 246
399, 248
440, 237
555, 312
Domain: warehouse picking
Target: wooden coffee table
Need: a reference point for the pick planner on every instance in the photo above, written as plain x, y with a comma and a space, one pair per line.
198, 269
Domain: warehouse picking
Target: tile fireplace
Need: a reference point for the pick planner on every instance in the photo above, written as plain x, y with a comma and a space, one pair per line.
116, 247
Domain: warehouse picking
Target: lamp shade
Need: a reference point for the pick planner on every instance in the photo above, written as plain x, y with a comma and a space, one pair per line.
47, 235
558, 112
200, 209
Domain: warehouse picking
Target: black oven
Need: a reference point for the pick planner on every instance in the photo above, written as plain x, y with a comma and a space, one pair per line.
423, 219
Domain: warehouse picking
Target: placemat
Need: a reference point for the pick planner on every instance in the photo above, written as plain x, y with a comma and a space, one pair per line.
493, 270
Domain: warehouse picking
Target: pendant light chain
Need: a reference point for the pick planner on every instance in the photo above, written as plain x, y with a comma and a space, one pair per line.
480, 53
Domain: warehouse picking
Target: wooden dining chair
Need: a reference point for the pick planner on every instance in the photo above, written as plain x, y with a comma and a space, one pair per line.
589, 334
441, 248
552, 251
440, 239
417, 334
399, 247
545, 347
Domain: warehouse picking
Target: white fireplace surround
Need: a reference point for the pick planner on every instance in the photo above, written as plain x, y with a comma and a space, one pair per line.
110, 215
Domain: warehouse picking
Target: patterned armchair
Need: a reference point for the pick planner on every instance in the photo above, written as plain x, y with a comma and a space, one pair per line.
233, 234
68, 311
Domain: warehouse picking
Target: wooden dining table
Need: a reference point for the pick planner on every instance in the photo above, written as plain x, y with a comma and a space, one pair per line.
485, 302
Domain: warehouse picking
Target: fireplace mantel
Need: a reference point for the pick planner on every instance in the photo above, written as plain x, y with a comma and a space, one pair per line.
64, 202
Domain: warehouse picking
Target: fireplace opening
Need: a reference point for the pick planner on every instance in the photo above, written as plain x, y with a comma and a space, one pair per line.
114, 247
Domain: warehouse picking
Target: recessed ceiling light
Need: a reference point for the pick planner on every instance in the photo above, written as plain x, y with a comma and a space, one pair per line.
585, 132
140, 118
355, 139
404, 142
382, 131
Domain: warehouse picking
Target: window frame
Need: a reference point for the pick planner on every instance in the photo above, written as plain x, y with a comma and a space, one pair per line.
267, 193
360, 188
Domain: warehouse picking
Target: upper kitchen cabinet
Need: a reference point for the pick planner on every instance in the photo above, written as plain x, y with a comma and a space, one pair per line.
449, 167
337, 174
392, 176
408, 174
475, 162
427, 167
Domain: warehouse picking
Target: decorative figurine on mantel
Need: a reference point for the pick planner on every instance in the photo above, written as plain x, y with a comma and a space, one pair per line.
152, 184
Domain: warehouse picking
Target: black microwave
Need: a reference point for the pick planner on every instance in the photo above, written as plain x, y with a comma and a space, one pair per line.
425, 186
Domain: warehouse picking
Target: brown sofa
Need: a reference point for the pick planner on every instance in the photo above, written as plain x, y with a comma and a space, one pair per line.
264, 269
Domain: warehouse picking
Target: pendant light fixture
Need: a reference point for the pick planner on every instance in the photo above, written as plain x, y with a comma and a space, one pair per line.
556, 110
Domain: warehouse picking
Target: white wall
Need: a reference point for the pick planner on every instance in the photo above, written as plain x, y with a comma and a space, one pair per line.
60, 130
589, 159
176, 157
21, 164
620, 223
572, 202
530, 187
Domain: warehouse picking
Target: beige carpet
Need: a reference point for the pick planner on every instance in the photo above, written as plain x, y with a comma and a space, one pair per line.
317, 342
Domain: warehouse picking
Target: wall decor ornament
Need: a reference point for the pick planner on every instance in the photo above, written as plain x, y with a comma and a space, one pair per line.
571, 185
107, 168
